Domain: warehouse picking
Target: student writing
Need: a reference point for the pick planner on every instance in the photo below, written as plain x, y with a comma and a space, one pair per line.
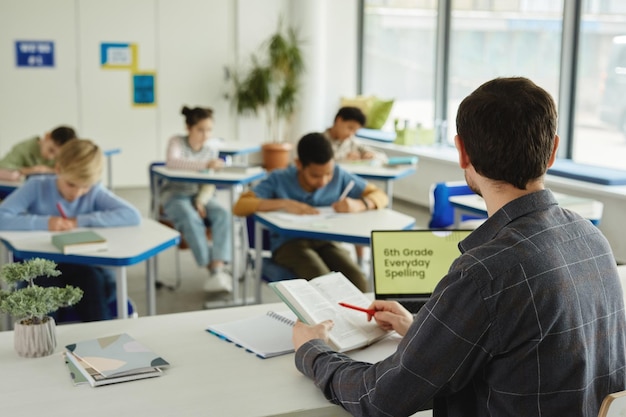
314, 181
35, 155
342, 136
85, 203
189, 205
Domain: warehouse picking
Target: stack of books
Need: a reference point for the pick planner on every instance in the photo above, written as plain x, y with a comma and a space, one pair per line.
112, 359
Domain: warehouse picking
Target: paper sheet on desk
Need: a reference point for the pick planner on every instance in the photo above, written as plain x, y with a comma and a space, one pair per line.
378, 351
324, 213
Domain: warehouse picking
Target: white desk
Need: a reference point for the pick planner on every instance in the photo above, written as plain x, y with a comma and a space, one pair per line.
231, 180
379, 173
344, 227
207, 376
127, 246
230, 148
474, 204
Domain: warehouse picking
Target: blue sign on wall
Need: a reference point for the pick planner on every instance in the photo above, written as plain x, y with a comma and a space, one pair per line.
143, 89
34, 53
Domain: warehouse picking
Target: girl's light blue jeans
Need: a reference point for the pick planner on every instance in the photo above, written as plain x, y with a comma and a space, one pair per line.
188, 222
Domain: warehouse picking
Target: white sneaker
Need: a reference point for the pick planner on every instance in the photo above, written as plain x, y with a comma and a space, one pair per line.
220, 281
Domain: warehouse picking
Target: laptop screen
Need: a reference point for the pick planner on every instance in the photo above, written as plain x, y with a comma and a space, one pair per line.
410, 263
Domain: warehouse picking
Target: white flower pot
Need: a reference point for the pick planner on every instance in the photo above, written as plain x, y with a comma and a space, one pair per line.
35, 340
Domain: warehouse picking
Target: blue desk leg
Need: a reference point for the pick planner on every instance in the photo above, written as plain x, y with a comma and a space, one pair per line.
122, 292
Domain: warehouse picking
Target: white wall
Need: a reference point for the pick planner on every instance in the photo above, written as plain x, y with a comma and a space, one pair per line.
188, 43
33, 100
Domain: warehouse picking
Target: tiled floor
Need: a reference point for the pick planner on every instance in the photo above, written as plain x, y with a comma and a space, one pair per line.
190, 296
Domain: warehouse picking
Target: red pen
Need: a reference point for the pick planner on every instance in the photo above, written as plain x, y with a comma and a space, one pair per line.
371, 312
60, 208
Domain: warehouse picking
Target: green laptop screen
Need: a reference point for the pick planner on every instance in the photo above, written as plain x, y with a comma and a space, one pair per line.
412, 262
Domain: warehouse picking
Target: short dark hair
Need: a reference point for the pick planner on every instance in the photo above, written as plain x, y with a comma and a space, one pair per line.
508, 126
62, 134
314, 148
195, 115
351, 113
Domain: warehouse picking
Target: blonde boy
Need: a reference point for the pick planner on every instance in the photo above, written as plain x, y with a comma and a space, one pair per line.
72, 198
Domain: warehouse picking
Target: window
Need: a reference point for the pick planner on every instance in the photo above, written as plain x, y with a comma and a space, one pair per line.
488, 39
399, 58
502, 39
600, 111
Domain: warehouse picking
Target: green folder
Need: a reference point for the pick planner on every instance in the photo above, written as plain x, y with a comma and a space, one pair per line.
79, 242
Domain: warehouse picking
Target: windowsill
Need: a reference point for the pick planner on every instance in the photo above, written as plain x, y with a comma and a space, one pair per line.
448, 154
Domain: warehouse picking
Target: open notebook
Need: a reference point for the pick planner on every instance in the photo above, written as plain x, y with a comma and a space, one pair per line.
408, 264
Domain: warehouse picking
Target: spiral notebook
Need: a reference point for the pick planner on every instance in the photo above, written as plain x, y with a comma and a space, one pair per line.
266, 336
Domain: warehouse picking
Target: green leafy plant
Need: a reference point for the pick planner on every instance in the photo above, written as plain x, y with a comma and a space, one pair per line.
32, 303
271, 85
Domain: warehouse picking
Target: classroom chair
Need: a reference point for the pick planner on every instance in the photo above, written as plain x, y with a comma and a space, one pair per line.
69, 315
270, 271
156, 210
442, 212
613, 405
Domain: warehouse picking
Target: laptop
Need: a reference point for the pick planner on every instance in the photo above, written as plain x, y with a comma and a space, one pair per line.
407, 265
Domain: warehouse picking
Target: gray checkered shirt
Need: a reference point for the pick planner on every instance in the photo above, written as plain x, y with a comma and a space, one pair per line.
529, 321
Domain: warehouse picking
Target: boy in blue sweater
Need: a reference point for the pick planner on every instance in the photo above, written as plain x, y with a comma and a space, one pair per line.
84, 203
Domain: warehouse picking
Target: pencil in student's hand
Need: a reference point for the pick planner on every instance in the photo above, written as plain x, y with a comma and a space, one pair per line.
61, 211
347, 190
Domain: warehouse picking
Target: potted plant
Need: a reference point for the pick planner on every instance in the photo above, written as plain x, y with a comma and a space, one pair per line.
35, 331
270, 87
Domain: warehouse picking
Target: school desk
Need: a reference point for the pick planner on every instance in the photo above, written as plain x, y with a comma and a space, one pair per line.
207, 376
126, 246
341, 227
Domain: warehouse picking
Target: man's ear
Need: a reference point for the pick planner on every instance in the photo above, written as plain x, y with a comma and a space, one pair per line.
464, 161
554, 149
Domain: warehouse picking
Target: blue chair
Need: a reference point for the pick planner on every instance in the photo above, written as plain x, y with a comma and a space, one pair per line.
442, 212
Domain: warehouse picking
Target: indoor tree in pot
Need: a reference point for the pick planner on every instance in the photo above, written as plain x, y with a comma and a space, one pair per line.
270, 87
35, 331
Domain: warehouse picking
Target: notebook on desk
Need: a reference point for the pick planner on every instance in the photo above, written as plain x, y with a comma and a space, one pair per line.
407, 265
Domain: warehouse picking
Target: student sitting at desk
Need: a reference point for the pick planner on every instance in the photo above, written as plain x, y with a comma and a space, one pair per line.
314, 181
35, 155
189, 206
341, 135
528, 321
72, 198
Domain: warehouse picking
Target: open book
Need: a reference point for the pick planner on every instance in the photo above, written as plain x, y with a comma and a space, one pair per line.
317, 300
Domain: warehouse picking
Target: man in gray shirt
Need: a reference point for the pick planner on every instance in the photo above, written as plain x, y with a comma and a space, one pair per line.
529, 320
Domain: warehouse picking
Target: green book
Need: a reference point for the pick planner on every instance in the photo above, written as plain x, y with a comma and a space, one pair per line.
79, 242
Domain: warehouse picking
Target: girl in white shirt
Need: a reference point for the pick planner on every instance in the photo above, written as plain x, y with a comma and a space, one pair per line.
191, 206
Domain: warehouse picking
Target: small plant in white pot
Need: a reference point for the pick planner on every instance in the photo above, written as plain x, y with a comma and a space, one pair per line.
35, 331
